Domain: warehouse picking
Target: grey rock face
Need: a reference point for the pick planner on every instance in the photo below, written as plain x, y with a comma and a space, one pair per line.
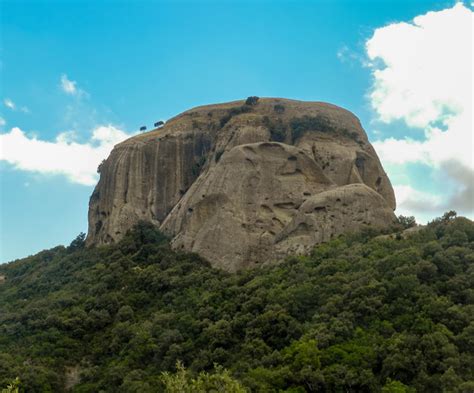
245, 184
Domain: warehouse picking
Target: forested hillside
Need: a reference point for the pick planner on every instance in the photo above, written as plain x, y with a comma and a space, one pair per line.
363, 313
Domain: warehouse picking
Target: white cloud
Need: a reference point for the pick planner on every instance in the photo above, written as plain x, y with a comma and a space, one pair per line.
422, 74
425, 205
12, 106
347, 55
66, 137
77, 161
9, 104
410, 198
2, 121
342, 53
70, 87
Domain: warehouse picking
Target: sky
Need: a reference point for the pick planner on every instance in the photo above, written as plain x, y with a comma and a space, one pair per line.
77, 77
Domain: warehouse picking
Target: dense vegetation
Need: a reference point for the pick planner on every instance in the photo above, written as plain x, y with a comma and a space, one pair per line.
363, 313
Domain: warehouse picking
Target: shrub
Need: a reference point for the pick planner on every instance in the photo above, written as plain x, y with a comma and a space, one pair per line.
252, 100
182, 382
278, 108
78, 243
197, 167
277, 129
299, 125
350, 134
13, 387
396, 387
234, 112
406, 222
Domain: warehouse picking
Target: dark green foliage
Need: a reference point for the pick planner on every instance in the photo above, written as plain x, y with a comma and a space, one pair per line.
277, 128
184, 382
406, 222
252, 100
198, 165
300, 125
278, 108
234, 112
13, 387
78, 243
351, 135
360, 314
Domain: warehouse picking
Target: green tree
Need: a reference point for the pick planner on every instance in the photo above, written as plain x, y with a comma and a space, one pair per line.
78, 243
406, 222
13, 387
220, 381
392, 386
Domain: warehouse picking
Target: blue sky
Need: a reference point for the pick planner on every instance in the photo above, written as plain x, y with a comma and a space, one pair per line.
78, 76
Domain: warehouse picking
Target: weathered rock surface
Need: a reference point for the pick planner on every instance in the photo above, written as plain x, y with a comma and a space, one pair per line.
245, 184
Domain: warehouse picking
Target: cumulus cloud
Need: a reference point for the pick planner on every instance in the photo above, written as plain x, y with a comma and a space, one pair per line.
411, 199
422, 75
64, 156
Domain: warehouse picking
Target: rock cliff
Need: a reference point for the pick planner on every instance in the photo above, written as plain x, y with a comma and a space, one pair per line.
245, 182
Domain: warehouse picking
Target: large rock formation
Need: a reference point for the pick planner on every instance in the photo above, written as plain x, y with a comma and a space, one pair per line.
245, 183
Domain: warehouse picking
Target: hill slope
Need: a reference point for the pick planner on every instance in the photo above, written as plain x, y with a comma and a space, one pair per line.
360, 313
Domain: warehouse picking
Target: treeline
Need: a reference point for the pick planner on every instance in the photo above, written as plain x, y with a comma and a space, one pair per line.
363, 313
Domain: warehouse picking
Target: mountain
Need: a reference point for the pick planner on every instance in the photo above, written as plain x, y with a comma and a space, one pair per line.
361, 313
245, 182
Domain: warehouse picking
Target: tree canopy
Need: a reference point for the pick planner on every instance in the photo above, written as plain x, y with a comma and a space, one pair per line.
362, 313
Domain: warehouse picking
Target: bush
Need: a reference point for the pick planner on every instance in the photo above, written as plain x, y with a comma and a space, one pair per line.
300, 125
234, 112
396, 387
406, 222
277, 129
251, 100
220, 381
278, 108
13, 387
198, 165
351, 135
78, 243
